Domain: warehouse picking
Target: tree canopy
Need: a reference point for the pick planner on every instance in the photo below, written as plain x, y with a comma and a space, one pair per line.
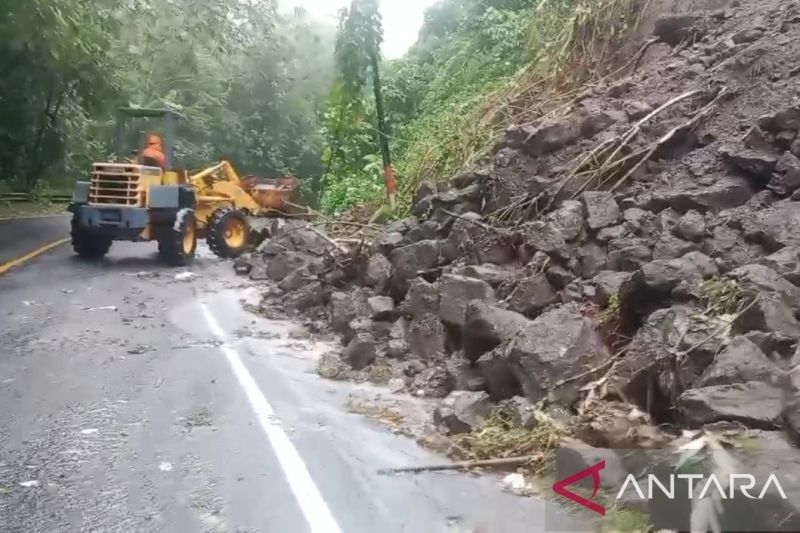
250, 85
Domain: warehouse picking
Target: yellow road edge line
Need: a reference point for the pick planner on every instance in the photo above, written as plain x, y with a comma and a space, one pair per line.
5, 267
29, 217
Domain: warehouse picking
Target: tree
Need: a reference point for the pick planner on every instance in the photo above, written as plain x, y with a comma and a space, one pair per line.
358, 54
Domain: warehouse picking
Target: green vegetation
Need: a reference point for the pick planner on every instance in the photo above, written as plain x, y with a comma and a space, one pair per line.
478, 67
281, 93
722, 296
503, 436
250, 84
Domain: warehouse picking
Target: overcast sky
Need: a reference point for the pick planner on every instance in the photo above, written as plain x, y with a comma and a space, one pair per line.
402, 19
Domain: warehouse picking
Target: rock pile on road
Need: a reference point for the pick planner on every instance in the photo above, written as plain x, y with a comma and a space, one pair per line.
633, 262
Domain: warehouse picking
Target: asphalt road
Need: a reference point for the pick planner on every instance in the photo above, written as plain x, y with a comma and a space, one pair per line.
134, 401
21, 236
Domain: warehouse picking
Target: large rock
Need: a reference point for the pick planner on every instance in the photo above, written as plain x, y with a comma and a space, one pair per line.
775, 226
785, 262
650, 354
542, 236
569, 219
344, 307
378, 272
765, 279
673, 28
741, 361
297, 279
455, 292
657, 279
422, 298
310, 295
388, 241
691, 226
488, 326
501, 382
669, 246
608, 284
532, 294
558, 345
298, 236
726, 191
280, 266
492, 274
409, 261
433, 382
463, 411
466, 376
786, 179
382, 308
470, 239
426, 336
549, 137
574, 456
628, 254
592, 258
758, 165
769, 313
728, 246
360, 352
786, 119
755, 404
601, 209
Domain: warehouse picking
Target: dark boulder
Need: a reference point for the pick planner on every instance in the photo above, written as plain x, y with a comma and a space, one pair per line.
360, 352
558, 345
601, 209
455, 292
755, 404
488, 326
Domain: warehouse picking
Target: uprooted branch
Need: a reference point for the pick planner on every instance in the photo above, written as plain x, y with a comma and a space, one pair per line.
463, 465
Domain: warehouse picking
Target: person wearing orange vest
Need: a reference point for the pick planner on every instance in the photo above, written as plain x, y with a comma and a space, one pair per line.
153, 153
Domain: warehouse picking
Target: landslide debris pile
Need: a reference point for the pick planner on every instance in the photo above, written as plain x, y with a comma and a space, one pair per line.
632, 263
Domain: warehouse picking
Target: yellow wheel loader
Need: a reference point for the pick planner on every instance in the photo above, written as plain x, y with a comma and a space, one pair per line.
126, 201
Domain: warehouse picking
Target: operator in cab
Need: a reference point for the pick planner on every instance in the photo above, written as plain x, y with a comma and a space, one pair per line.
153, 153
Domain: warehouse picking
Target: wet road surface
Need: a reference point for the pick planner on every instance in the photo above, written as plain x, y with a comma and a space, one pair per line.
134, 401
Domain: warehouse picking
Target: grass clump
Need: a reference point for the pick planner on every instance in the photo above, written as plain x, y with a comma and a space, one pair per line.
722, 296
502, 437
625, 521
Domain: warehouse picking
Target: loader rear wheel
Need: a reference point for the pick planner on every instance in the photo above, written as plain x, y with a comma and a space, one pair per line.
178, 244
87, 244
228, 233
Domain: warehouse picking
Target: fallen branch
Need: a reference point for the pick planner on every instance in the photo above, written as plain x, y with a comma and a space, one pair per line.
335, 244
666, 138
481, 225
464, 465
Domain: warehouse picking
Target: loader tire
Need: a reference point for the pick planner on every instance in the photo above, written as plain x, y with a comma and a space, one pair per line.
88, 245
178, 244
228, 233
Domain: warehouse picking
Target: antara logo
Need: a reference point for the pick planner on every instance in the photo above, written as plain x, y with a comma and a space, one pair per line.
707, 485
699, 486
560, 487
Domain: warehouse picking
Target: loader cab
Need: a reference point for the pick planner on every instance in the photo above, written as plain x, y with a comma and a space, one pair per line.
135, 123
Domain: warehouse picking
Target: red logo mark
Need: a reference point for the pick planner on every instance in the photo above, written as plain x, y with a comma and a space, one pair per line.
560, 487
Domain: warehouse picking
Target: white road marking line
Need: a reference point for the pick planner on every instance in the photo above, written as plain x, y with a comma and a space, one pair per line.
315, 510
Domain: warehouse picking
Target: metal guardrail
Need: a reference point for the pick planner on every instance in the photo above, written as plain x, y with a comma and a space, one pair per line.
11, 197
